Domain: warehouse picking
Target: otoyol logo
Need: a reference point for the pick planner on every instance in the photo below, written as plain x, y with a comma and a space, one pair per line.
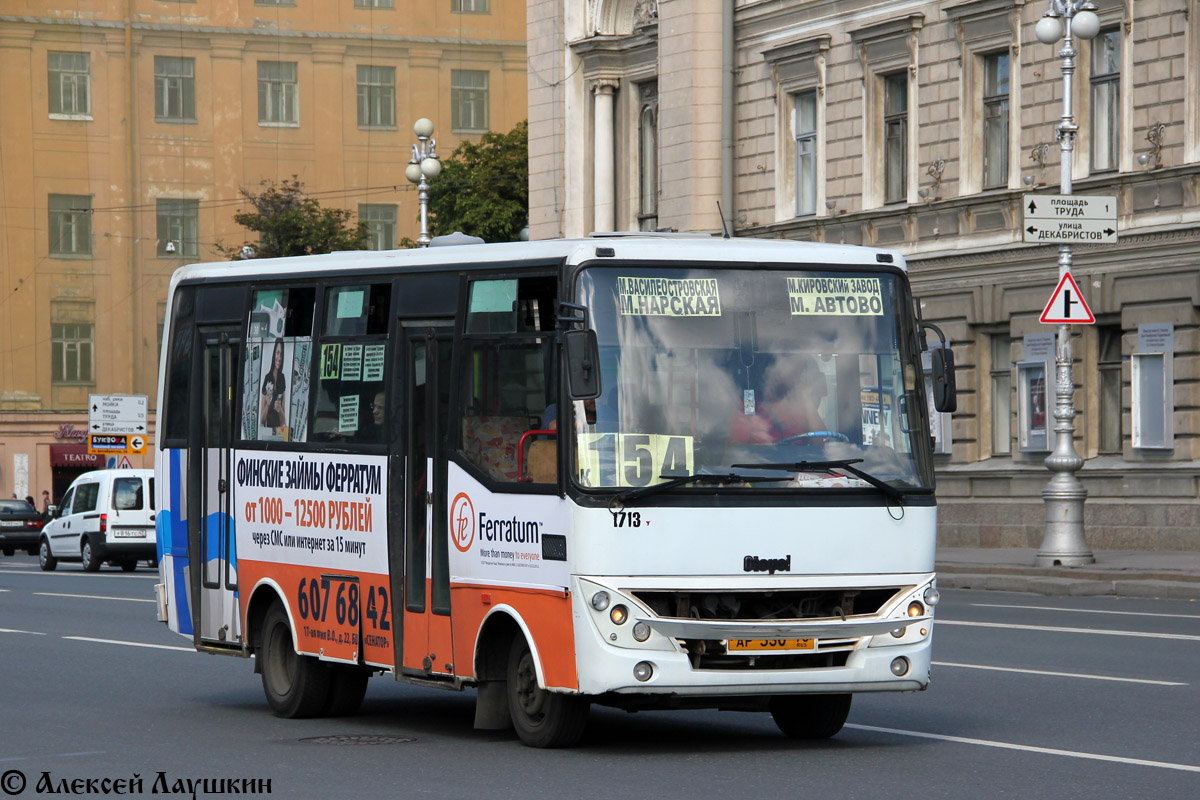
462, 522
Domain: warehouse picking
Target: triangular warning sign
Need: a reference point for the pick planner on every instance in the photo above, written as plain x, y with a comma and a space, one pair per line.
125, 463
1067, 305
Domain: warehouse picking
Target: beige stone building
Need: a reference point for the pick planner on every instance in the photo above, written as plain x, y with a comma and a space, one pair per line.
921, 126
129, 128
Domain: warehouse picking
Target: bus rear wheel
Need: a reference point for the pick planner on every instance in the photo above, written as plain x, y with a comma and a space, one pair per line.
542, 719
295, 685
810, 716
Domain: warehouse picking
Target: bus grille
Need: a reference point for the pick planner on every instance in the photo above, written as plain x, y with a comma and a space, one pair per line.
763, 605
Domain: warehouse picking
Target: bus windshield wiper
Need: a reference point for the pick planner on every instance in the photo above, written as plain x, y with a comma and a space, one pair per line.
670, 482
846, 464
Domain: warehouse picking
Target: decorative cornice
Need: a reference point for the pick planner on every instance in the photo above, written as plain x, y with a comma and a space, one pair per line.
892, 28
802, 48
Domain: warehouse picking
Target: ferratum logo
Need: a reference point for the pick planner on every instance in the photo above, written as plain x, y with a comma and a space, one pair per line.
462, 522
756, 564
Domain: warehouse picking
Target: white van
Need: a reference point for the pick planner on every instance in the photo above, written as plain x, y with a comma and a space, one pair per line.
106, 516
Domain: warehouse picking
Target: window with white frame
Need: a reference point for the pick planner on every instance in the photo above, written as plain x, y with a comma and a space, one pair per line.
1001, 393
995, 120
278, 93
374, 4
380, 219
804, 134
178, 225
648, 156
70, 224
1106, 100
895, 137
376, 97
71, 347
468, 100
70, 84
174, 89
470, 6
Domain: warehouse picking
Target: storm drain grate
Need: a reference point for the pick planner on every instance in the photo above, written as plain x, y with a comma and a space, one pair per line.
348, 739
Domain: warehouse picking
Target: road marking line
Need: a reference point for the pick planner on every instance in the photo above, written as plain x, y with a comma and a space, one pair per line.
55, 755
14, 630
1051, 751
1053, 629
1087, 611
131, 644
96, 597
1059, 674
80, 574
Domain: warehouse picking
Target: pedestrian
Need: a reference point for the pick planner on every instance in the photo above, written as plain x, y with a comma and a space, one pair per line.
45, 503
29, 499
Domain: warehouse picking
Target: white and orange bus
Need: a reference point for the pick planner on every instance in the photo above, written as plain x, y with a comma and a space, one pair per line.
644, 471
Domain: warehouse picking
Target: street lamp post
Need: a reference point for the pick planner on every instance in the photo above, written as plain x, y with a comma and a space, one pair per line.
423, 167
1064, 543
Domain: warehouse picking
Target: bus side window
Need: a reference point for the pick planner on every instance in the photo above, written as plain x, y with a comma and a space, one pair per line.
350, 364
506, 377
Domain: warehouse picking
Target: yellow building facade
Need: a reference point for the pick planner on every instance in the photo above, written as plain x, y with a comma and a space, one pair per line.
129, 130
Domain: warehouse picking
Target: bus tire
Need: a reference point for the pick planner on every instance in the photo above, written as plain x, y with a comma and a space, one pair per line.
128, 566
46, 559
347, 687
810, 716
542, 719
295, 685
87, 557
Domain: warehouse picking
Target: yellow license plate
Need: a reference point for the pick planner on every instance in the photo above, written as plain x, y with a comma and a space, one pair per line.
744, 645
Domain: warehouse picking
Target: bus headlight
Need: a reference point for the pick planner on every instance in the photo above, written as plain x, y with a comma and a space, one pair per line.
641, 631
618, 615
915, 609
600, 601
643, 671
932, 596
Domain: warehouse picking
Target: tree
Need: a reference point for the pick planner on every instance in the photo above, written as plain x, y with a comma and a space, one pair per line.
483, 189
289, 223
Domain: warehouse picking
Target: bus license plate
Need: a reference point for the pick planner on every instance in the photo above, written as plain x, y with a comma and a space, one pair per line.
746, 645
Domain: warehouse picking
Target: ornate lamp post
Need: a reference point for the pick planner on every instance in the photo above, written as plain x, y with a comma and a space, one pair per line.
1064, 542
423, 167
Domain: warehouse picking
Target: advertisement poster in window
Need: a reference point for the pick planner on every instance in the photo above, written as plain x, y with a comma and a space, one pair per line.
274, 404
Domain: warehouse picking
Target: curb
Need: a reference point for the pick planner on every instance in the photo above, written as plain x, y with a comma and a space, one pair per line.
1070, 587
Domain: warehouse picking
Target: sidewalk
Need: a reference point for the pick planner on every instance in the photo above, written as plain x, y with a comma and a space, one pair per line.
1125, 573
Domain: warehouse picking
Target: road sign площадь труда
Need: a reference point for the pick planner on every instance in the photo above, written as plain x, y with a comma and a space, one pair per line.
117, 413
1069, 219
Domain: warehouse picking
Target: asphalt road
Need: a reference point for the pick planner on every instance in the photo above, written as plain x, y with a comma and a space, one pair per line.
1031, 697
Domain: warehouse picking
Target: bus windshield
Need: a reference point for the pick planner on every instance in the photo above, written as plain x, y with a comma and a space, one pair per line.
750, 372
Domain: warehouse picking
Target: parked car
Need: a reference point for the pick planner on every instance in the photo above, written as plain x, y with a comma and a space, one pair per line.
106, 516
20, 527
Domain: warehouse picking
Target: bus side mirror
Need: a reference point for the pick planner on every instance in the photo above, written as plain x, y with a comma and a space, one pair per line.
945, 395
583, 363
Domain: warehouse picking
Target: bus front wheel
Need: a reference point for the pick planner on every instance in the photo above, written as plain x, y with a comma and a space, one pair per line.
295, 685
810, 716
541, 718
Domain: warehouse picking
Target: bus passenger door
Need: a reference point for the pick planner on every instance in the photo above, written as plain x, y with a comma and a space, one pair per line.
211, 531
426, 629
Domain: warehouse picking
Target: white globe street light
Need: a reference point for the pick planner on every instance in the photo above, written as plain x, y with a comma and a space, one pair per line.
1064, 543
423, 167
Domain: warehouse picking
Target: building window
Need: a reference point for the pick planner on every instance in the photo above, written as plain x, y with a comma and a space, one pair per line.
174, 89
374, 4
995, 120
1109, 365
278, 93
804, 129
895, 137
274, 2
468, 100
648, 157
178, 225
471, 6
70, 84
71, 353
376, 97
380, 220
1106, 100
70, 224
1001, 375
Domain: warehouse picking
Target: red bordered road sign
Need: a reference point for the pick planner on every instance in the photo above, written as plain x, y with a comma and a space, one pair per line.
1067, 305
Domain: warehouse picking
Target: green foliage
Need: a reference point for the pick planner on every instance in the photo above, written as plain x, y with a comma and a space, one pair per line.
292, 224
483, 189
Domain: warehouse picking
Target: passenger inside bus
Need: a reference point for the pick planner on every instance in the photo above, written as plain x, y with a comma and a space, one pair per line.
788, 405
